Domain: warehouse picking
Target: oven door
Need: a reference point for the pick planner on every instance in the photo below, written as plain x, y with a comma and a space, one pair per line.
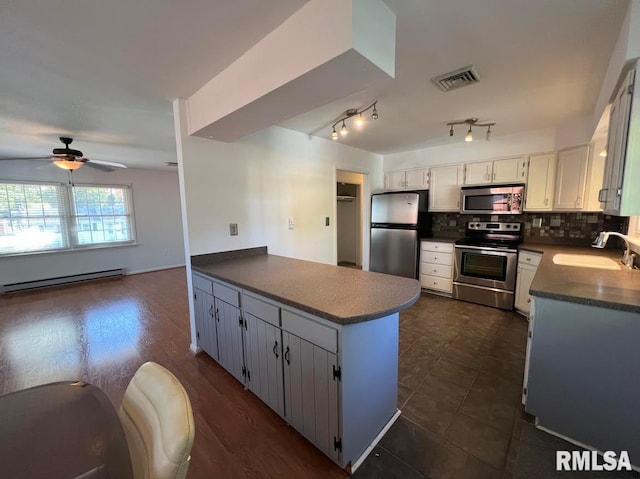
485, 267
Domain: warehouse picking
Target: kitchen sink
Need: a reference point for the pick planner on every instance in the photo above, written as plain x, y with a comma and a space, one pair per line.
586, 261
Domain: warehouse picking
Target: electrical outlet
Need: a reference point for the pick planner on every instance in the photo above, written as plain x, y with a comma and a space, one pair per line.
537, 222
292, 223
494, 218
326, 221
555, 222
233, 229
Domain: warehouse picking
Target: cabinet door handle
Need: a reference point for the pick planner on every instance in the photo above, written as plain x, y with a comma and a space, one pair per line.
546, 201
494, 177
211, 311
275, 349
217, 315
286, 356
529, 300
601, 193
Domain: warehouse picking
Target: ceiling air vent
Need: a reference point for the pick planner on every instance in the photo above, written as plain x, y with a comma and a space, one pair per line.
458, 78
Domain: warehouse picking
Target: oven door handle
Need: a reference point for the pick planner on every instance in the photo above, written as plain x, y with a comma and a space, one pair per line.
486, 248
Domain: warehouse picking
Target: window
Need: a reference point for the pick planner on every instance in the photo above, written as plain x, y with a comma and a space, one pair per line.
101, 215
52, 217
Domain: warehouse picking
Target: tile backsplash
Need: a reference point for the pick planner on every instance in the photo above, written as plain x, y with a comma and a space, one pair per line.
565, 228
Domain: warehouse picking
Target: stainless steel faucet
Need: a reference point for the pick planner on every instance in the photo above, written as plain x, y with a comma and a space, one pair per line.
602, 239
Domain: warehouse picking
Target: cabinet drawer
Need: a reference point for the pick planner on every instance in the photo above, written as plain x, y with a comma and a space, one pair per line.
258, 308
436, 257
433, 246
226, 294
435, 282
316, 333
202, 283
442, 271
525, 257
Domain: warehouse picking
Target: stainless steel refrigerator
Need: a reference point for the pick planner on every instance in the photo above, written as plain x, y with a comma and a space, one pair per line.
398, 221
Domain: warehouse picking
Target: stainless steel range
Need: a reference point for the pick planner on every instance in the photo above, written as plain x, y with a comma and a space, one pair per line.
485, 263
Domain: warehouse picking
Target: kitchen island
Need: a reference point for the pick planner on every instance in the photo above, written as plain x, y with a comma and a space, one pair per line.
581, 373
317, 343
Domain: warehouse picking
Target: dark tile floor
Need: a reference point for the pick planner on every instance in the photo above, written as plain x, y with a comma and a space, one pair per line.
460, 380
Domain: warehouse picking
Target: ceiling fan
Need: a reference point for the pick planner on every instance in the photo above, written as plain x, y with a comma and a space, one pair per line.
70, 159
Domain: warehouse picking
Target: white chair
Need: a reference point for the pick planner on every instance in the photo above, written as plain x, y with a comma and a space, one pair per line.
158, 423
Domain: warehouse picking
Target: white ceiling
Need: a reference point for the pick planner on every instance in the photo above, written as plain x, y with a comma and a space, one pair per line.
105, 72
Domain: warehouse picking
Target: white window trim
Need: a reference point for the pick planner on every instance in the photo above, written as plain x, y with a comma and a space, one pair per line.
69, 216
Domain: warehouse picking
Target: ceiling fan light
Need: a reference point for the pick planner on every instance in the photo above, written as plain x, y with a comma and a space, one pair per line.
68, 164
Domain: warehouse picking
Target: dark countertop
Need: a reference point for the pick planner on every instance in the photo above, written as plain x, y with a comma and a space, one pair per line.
338, 294
591, 286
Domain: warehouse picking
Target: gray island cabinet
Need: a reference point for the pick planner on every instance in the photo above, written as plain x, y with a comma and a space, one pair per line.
582, 376
332, 376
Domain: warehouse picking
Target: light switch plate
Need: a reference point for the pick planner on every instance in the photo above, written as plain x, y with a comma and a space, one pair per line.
233, 229
292, 223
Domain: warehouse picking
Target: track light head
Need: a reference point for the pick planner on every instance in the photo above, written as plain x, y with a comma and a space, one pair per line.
469, 136
451, 130
374, 115
343, 130
334, 134
488, 137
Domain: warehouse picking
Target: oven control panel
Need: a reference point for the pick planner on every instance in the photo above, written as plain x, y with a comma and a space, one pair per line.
484, 226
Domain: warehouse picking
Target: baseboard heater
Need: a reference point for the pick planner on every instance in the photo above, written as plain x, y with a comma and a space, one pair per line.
61, 280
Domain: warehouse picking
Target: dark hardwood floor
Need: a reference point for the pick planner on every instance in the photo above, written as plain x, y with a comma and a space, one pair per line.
460, 378
102, 332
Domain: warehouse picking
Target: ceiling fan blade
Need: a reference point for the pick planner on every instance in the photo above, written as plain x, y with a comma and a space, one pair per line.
29, 158
113, 164
98, 166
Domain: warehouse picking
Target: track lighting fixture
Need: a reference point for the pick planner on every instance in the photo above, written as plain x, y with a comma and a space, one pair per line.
360, 121
471, 122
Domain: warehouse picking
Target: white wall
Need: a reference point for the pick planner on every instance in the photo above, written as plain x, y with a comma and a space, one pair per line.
536, 141
157, 216
262, 181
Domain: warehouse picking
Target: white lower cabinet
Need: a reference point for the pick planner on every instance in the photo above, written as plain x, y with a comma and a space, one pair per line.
293, 362
436, 266
527, 265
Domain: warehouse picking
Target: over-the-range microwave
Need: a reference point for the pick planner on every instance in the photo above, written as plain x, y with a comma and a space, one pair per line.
493, 200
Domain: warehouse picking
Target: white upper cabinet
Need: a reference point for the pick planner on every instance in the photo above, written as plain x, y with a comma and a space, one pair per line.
571, 178
407, 179
620, 194
478, 173
444, 193
540, 182
507, 170
394, 180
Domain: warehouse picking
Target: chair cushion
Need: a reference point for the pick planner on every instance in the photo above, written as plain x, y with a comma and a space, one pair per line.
158, 422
